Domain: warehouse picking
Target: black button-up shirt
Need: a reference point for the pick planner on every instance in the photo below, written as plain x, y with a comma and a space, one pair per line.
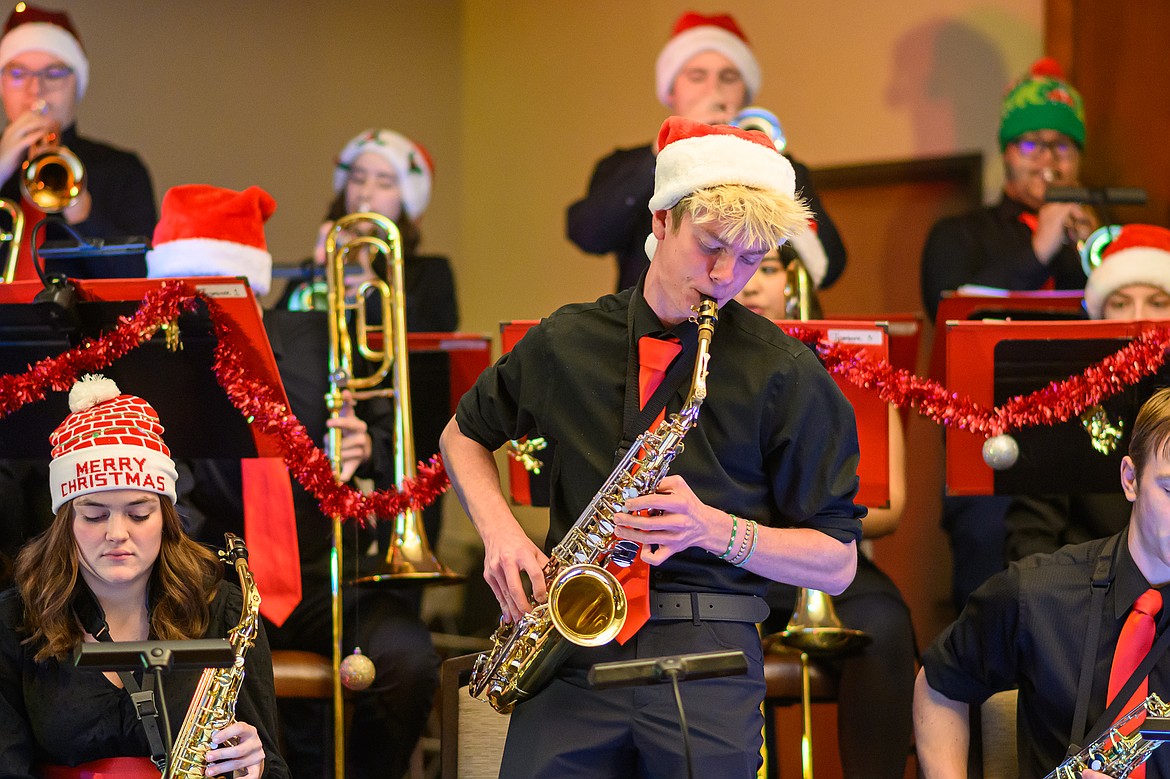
775, 441
1027, 627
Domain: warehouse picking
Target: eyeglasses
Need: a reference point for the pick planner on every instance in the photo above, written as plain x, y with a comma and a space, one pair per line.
1032, 148
51, 78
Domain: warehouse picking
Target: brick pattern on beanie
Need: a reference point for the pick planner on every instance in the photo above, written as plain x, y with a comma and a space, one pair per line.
111, 441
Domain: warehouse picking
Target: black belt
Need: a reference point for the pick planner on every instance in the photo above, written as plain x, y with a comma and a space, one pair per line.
712, 606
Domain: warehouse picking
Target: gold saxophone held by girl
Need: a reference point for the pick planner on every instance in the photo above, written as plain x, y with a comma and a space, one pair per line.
213, 706
586, 605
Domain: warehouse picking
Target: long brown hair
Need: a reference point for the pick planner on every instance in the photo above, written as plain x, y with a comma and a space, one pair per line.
182, 584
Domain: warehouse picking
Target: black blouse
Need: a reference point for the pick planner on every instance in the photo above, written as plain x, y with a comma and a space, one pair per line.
55, 713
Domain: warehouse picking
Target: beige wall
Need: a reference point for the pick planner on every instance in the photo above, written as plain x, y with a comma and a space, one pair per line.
516, 99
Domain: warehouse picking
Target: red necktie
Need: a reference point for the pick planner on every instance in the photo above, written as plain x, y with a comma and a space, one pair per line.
270, 529
1032, 221
654, 357
1137, 636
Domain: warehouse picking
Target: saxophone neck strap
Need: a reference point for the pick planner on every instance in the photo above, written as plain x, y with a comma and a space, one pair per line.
637, 418
1103, 575
89, 612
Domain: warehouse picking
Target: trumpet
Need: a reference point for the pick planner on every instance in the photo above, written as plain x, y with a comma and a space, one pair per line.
53, 177
1081, 221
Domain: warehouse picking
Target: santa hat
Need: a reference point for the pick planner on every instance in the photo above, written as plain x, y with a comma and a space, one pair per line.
695, 33
694, 156
1042, 100
410, 161
1138, 254
35, 29
211, 231
111, 441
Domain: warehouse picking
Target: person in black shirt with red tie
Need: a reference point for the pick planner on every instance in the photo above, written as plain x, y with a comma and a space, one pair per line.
1033, 627
763, 489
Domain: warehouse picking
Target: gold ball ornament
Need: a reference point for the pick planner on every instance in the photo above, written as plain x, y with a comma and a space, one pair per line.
1001, 452
357, 671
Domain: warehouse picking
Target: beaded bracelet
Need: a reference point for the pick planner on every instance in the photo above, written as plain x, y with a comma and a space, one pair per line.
731, 541
755, 537
738, 557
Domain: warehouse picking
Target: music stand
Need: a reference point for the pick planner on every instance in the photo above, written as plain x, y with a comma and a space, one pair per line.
157, 657
1005, 359
180, 385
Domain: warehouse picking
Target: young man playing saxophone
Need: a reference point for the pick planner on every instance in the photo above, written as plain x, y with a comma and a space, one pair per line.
763, 490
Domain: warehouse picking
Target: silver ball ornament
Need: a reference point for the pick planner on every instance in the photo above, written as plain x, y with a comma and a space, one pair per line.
357, 671
1001, 452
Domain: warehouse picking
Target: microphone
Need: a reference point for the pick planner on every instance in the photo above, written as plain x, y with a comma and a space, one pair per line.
655, 670
1101, 196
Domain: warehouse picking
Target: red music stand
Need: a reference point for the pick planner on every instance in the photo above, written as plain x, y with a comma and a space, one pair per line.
1064, 349
872, 413
181, 385
1034, 305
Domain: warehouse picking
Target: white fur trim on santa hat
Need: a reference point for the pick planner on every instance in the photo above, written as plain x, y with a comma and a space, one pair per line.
808, 245
707, 37
210, 257
703, 161
43, 36
1137, 265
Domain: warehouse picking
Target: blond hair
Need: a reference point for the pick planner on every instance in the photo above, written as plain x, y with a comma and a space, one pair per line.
1151, 431
751, 216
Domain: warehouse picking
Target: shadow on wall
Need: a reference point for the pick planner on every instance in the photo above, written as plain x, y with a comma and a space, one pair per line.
945, 75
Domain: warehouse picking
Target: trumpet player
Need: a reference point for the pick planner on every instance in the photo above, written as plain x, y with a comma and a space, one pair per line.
1043, 627
1019, 243
762, 490
706, 72
44, 73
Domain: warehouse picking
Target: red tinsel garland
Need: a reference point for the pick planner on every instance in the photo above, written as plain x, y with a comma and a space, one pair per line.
260, 402
256, 400
1059, 402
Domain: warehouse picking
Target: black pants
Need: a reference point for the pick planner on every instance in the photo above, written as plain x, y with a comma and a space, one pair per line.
389, 716
876, 684
569, 730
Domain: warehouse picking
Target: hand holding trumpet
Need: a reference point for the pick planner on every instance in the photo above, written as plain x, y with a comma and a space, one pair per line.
24, 137
1061, 223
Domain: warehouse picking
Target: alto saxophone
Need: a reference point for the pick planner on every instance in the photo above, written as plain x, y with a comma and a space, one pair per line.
213, 706
586, 604
1115, 753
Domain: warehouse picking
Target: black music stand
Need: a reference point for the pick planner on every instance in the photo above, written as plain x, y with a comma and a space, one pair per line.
181, 385
159, 658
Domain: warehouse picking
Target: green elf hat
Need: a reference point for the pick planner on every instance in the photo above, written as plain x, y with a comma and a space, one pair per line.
1042, 100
